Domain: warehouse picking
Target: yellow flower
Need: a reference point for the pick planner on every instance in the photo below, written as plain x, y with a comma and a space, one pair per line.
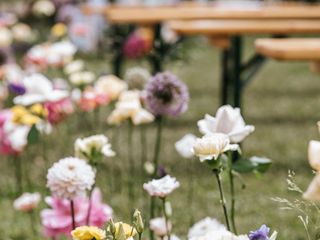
22, 116
88, 233
38, 110
59, 30
129, 230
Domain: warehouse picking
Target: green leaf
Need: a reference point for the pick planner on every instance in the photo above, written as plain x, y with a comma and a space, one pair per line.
33, 135
258, 165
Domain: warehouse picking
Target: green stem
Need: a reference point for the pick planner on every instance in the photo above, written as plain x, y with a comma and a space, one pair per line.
18, 173
32, 220
190, 168
159, 121
166, 218
130, 162
222, 198
152, 206
232, 193
72, 214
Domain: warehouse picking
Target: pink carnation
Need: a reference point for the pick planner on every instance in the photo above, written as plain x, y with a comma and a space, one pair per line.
57, 220
59, 110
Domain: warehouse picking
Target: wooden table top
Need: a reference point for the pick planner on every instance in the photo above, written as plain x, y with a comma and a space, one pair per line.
152, 15
244, 27
295, 49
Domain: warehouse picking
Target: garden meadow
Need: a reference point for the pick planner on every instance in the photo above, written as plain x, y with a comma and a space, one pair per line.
90, 154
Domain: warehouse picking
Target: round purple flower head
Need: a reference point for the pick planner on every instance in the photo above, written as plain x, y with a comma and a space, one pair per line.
261, 234
166, 95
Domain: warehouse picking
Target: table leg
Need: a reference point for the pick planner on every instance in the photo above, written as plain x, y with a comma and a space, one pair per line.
236, 45
157, 56
225, 81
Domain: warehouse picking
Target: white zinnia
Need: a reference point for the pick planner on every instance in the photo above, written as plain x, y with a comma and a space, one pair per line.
159, 227
70, 177
229, 121
185, 144
110, 85
204, 226
86, 147
161, 187
27, 202
211, 146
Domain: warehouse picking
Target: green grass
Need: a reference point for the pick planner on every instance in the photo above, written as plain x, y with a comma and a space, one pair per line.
283, 104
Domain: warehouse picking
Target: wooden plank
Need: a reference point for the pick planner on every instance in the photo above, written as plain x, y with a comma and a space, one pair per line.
295, 49
244, 27
147, 15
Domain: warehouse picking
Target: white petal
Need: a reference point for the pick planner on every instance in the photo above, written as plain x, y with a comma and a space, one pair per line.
314, 154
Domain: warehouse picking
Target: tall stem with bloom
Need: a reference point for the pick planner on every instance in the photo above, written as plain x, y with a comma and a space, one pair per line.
166, 218
222, 198
159, 122
232, 193
72, 215
130, 162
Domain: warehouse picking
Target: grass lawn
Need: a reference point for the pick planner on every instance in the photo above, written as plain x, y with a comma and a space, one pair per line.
282, 102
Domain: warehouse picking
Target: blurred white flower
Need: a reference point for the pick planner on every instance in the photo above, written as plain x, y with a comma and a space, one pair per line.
110, 85
73, 67
13, 73
43, 8
92, 147
313, 191
149, 167
81, 78
161, 187
70, 177
185, 144
229, 121
5, 37
211, 146
142, 116
27, 202
137, 77
61, 53
39, 89
204, 226
314, 154
22, 33
44, 127
158, 226
220, 234
168, 35
16, 134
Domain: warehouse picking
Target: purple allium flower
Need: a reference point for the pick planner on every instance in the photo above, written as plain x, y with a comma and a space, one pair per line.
166, 95
17, 89
134, 47
261, 234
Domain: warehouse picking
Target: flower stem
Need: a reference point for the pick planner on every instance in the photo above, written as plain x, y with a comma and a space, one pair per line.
130, 162
89, 206
222, 198
32, 219
159, 122
166, 218
72, 214
232, 193
18, 173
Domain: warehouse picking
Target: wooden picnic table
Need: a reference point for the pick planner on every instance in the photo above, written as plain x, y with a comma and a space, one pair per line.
120, 14
290, 49
225, 24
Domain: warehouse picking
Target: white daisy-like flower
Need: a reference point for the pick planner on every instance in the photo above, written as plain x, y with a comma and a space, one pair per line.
159, 227
88, 148
70, 177
212, 146
204, 226
27, 202
161, 187
228, 120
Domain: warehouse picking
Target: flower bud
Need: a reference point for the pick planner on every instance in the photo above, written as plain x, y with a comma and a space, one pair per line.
168, 209
112, 227
138, 221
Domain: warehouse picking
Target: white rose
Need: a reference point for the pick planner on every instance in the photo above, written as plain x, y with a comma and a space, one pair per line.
211, 146
229, 121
